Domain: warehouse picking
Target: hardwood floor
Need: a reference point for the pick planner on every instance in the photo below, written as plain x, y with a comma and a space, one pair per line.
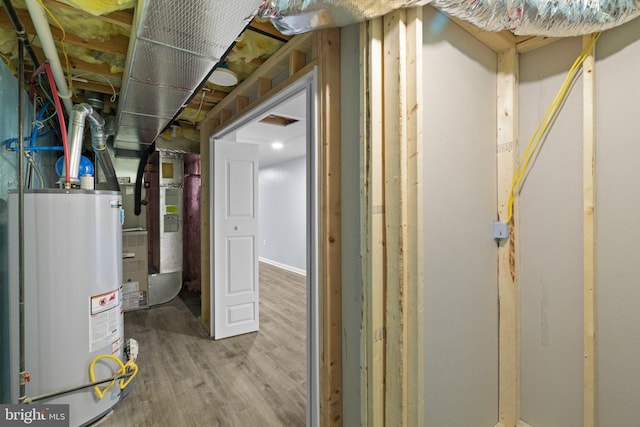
186, 379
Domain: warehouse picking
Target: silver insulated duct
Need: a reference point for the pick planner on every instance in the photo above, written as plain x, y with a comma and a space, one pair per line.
174, 45
554, 18
299, 16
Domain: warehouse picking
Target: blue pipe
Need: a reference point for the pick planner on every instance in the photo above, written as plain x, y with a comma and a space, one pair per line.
9, 144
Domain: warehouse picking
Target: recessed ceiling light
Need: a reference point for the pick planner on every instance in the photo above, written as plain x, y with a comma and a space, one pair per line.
277, 145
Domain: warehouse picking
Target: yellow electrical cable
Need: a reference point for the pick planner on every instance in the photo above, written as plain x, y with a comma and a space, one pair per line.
64, 51
123, 370
543, 125
5, 59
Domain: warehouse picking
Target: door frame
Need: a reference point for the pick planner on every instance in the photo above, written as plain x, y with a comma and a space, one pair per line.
309, 84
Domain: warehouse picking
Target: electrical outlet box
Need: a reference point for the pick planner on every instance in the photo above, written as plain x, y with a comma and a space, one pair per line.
500, 230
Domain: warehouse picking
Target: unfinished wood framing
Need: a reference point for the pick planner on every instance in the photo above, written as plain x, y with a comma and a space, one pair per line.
121, 18
241, 103
414, 229
258, 87
508, 285
394, 149
205, 226
116, 44
495, 41
391, 129
372, 211
326, 51
588, 182
323, 49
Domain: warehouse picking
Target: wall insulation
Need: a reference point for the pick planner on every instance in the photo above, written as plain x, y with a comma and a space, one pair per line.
617, 225
551, 245
460, 265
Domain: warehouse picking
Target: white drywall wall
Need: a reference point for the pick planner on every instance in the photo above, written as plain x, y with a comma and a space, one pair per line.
618, 225
551, 245
350, 222
282, 213
460, 265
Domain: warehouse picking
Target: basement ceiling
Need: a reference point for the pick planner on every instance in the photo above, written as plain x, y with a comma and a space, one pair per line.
93, 39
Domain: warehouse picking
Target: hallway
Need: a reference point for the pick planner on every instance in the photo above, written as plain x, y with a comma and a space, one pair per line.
188, 380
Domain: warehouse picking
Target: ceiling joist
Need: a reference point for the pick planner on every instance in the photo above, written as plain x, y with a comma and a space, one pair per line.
121, 18
116, 45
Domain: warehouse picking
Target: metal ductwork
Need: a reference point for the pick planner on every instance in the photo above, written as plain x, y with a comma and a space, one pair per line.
299, 16
553, 18
173, 48
80, 114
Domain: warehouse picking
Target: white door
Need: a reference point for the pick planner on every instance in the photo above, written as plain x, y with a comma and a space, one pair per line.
235, 302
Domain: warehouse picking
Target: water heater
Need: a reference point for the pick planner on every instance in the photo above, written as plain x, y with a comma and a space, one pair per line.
73, 298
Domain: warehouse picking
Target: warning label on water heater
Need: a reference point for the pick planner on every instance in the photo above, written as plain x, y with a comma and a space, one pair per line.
105, 321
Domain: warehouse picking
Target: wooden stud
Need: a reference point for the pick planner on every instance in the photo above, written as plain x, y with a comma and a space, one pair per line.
225, 115
508, 284
264, 85
326, 46
373, 337
205, 224
241, 103
588, 183
297, 60
394, 146
414, 230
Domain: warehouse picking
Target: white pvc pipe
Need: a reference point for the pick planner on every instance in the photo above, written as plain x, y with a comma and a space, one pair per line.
41, 24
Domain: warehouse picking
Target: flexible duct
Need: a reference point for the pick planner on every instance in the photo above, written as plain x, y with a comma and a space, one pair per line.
551, 18
79, 114
299, 16
41, 24
554, 18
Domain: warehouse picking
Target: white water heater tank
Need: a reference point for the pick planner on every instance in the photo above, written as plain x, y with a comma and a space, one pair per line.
73, 298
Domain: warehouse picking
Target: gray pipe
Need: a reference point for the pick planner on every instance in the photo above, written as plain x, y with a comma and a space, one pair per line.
22, 36
13, 17
81, 113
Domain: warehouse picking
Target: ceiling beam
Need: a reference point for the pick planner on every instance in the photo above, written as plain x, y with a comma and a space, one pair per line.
117, 45
267, 29
81, 66
121, 18
96, 87
531, 43
498, 42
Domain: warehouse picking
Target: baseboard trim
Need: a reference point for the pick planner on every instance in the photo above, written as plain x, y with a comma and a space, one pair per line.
283, 266
520, 424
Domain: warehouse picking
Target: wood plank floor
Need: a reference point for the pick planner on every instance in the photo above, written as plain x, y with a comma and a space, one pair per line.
186, 379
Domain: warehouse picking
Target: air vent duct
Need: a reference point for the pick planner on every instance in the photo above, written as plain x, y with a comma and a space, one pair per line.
554, 18
173, 48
